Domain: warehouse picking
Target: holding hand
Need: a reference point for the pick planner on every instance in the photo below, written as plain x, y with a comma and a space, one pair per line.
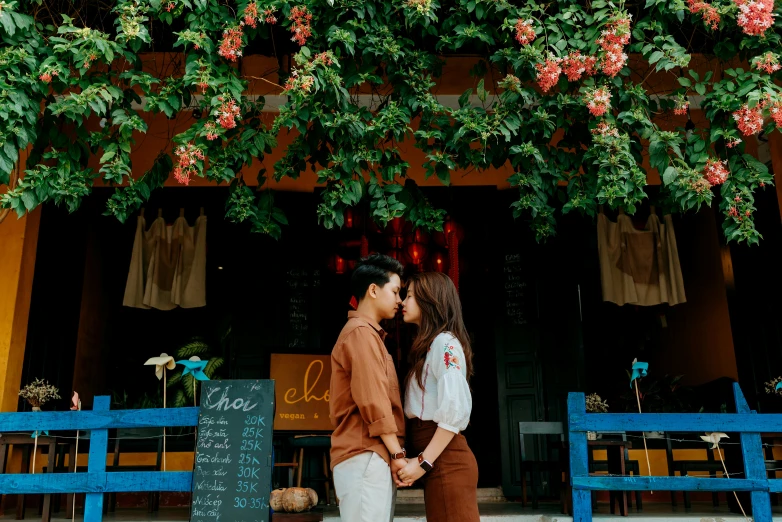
411, 472
396, 466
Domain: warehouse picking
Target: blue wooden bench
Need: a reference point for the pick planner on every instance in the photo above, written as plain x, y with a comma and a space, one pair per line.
747, 423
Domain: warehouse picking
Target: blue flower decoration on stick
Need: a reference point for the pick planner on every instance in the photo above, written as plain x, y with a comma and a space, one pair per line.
194, 366
778, 386
639, 370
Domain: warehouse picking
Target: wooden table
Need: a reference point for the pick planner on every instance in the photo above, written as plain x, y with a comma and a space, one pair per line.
27, 443
615, 450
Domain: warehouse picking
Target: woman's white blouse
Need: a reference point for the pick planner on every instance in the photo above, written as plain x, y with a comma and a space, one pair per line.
445, 397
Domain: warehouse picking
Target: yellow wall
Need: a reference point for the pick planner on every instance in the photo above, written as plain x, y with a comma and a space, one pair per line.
18, 243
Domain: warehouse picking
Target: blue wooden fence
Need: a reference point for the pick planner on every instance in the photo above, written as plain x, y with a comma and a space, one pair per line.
745, 422
96, 481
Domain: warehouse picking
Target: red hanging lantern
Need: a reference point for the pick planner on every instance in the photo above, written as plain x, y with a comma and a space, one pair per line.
339, 264
417, 253
349, 218
449, 227
439, 262
453, 253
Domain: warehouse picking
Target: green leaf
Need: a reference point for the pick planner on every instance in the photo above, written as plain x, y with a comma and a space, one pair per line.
670, 175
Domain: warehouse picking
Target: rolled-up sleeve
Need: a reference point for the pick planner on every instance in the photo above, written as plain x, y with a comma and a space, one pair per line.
369, 384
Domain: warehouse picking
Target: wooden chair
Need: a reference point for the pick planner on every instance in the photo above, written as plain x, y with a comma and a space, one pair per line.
153, 503
556, 468
320, 443
26, 443
631, 466
685, 466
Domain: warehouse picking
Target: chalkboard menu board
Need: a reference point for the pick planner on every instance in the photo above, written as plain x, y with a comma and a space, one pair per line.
302, 297
517, 292
233, 462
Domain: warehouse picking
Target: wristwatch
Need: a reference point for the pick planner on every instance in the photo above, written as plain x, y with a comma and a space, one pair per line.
399, 455
425, 464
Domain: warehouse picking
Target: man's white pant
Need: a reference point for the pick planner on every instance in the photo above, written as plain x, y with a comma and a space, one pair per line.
364, 488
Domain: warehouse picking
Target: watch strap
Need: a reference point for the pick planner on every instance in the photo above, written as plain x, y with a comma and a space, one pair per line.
425, 464
399, 455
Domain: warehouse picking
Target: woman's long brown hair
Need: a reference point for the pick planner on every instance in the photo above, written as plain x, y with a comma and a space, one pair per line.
441, 311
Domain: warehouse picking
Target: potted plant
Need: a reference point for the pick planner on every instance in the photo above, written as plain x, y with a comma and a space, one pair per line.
184, 386
665, 395
594, 404
122, 401
38, 393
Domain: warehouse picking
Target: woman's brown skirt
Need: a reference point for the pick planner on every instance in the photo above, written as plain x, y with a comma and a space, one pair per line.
451, 488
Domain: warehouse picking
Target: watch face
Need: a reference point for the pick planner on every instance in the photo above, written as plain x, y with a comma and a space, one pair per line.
426, 466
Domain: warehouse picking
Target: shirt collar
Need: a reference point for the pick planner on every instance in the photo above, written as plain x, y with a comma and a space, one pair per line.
353, 314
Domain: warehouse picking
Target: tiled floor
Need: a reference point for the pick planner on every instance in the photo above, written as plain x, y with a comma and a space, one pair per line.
490, 512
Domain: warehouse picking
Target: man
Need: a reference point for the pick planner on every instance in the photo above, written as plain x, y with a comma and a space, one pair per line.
365, 405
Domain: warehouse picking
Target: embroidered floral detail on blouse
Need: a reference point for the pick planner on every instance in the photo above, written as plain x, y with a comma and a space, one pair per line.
451, 361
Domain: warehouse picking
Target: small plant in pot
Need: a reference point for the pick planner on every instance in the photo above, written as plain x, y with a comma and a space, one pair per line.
183, 385
594, 404
665, 395
38, 393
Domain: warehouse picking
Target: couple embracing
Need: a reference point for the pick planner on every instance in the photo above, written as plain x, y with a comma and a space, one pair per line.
371, 453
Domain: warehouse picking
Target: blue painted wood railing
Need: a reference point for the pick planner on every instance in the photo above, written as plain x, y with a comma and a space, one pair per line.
96, 481
745, 422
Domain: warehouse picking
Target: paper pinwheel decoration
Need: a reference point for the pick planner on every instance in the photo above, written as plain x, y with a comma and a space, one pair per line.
639, 370
195, 366
714, 439
161, 363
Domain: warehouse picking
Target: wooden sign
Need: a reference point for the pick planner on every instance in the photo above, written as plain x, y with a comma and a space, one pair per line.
302, 391
233, 462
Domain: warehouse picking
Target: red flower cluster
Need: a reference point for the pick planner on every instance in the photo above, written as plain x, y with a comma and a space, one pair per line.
251, 15
169, 7
231, 46
749, 121
300, 28
211, 130
710, 14
613, 39
598, 101
605, 129
88, 61
576, 65
548, 73
189, 155
269, 14
732, 142
768, 62
47, 76
715, 171
298, 83
776, 113
681, 108
227, 113
325, 58
525, 34
755, 16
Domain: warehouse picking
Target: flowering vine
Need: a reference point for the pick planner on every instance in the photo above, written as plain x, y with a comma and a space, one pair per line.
520, 115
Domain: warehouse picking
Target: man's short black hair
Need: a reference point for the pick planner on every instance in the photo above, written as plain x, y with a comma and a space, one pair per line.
373, 269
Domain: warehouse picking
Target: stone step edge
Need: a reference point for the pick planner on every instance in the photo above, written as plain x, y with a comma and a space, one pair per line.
416, 496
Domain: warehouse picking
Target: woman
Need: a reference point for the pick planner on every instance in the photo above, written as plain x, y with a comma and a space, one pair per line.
438, 401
